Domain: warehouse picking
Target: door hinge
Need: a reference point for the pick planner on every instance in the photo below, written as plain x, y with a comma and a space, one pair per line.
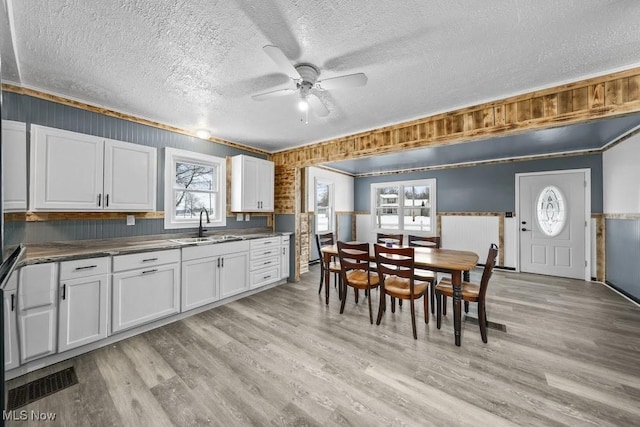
586, 224
585, 184
585, 262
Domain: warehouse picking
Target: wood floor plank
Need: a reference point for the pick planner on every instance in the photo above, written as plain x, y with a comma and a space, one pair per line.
569, 356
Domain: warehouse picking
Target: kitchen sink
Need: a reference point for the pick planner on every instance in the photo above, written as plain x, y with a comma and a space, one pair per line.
206, 239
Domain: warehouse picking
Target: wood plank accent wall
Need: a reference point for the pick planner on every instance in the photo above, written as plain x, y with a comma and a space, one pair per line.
606, 96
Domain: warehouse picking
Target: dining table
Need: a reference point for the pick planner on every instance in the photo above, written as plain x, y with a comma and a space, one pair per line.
454, 262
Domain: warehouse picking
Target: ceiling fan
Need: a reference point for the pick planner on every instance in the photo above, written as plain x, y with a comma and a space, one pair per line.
305, 77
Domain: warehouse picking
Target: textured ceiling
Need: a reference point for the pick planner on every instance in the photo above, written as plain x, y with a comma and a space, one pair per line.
195, 64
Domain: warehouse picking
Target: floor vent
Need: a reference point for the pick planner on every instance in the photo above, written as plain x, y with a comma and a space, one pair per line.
40, 388
492, 325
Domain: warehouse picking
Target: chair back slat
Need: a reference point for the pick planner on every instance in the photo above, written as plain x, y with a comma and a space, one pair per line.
488, 269
384, 237
353, 256
324, 239
415, 241
395, 261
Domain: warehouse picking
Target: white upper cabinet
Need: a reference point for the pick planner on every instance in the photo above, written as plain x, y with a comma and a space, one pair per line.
14, 165
72, 171
129, 176
251, 184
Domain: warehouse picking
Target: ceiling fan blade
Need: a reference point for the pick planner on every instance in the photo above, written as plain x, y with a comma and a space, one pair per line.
350, 80
272, 94
281, 61
317, 105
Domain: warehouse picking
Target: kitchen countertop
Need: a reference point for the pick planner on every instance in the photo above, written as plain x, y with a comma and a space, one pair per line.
39, 253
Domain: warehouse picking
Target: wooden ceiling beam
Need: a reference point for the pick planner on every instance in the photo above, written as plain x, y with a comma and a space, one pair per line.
611, 95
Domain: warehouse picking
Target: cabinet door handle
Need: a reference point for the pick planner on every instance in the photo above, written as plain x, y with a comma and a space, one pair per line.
13, 302
106, 201
218, 262
222, 262
149, 259
99, 199
150, 271
64, 291
85, 267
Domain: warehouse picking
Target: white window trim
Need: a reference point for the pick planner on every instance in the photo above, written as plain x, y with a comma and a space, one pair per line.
173, 155
332, 215
431, 182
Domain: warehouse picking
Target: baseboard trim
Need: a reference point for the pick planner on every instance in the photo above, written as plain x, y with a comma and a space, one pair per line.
625, 294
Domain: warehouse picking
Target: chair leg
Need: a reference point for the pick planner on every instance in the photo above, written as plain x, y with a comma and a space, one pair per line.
466, 307
393, 305
426, 308
370, 309
321, 277
439, 310
344, 299
413, 319
444, 304
432, 292
399, 303
357, 294
382, 306
482, 321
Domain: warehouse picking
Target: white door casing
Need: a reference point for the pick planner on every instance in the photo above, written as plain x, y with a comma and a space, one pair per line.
565, 250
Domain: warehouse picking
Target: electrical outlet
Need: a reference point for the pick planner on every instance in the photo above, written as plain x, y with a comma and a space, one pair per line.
239, 217
131, 220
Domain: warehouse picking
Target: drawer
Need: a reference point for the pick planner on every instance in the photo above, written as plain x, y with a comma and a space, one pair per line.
145, 259
264, 277
266, 252
265, 243
284, 240
84, 267
265, 262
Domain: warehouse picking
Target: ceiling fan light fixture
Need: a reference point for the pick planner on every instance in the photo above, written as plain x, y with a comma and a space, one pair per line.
203, 133
303, 105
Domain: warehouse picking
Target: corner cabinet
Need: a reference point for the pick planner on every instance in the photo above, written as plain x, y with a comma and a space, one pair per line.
37, 311
73, 172
14, 166
252, 183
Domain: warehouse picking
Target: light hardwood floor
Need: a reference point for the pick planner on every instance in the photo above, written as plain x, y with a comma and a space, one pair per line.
570, 356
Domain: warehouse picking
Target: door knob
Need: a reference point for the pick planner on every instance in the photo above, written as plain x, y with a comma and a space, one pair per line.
524, 222
525, 229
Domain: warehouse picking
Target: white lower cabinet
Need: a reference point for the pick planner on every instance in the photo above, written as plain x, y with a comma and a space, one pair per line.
234, 272
213, 272
11, 353
265, 261
146, 293
200, 282
37, 311
83, 295
284, 257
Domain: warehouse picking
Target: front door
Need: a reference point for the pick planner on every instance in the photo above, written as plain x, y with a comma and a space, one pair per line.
552, 223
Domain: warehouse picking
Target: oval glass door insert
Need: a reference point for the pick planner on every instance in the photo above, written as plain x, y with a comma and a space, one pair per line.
551, 211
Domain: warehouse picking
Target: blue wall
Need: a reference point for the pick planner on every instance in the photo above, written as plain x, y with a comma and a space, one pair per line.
623, 255
41, 112
486, 188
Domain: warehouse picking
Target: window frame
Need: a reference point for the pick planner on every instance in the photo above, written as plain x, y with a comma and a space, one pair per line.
428, 182
219, 164
331, 189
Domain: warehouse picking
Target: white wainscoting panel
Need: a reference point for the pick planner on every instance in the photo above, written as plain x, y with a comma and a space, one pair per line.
510, 249
470, 233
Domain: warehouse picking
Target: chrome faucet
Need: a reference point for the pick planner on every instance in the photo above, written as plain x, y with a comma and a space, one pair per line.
201, 229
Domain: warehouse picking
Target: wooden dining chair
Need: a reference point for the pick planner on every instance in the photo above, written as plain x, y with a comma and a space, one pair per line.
470, 292
356, 272
396, 269
426, 275
384, 237
327, 239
